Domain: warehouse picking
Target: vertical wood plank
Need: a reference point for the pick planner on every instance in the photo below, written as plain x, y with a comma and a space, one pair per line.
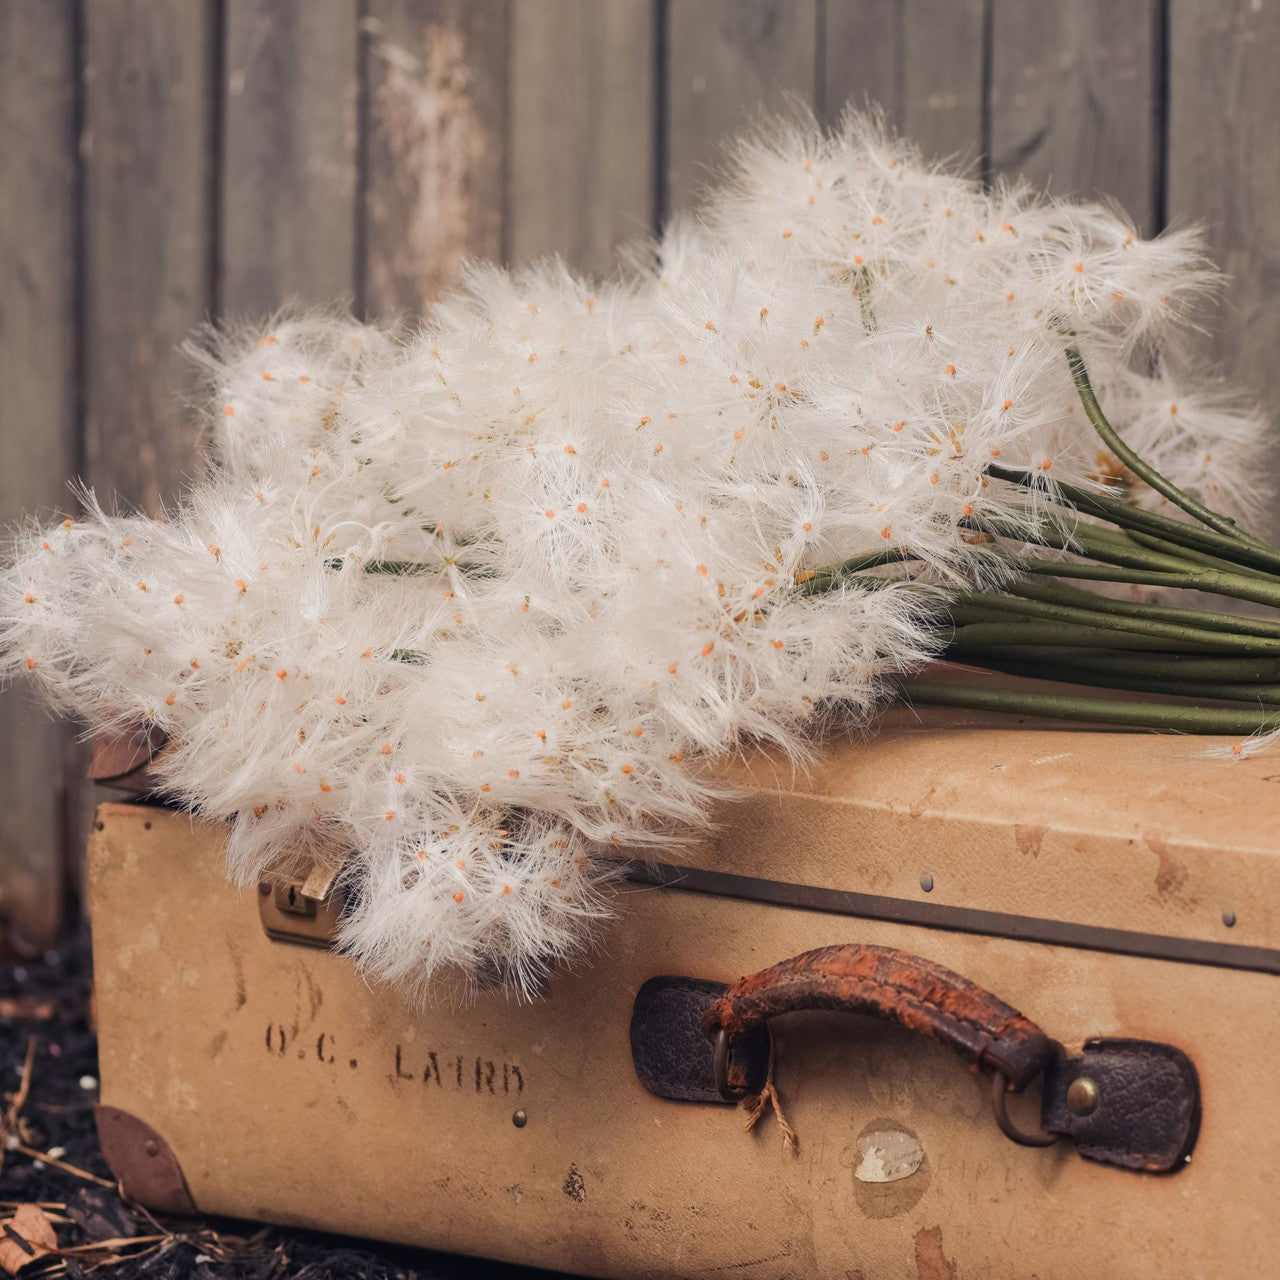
1224, 172
437, 108
37, 412
942, 56
920, 60
862, 44
150, 118
1073, 99
149, 106
582, 115
289, 144
726, 60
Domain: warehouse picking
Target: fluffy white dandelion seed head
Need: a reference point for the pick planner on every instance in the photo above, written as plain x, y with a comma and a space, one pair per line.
465, 608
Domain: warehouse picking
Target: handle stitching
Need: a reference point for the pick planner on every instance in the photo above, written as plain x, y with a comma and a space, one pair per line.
926, 1003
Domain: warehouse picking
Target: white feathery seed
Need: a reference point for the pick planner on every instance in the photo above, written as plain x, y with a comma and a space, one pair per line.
597, 500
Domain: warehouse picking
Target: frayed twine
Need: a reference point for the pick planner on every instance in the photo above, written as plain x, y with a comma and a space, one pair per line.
755, 1105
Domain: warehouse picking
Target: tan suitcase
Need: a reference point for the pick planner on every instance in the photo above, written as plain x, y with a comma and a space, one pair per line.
1107, 885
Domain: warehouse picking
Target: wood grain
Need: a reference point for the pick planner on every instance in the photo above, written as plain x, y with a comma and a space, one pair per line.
37, 415
1074, 99
861, 50
149, 114
1224, 171
437, 93
289, 146
581, 167
728, 62
920, 60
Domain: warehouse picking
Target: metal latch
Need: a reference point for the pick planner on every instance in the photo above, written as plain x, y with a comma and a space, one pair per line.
304, 911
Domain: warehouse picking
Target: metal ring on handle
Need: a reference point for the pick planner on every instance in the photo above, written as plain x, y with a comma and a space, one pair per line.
729, 1092
999, 1093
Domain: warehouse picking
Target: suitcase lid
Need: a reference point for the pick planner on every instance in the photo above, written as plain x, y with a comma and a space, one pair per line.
1011, 826
996, 824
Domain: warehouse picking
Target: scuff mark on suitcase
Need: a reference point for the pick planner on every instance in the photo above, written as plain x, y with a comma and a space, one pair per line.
217, 1043
919, 806
1029, 837
1171, 875
575, 1186
237, 970
931, 1262
314, 996
784, 1252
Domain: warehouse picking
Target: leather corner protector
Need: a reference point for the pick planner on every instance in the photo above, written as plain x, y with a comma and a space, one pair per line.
143, 1162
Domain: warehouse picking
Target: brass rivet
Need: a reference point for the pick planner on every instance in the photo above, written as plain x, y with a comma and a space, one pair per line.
1083, 1096
264, 888
926, 882
1228, 917
152, 1147
519, 1119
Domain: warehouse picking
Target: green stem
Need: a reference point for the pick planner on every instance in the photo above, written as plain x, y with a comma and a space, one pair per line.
830, 576
1153, 629
1029, 632
1069, 674
1056, 706
1197, 557
414, 657
1201, 619
1108, 545
1183, 667
1084, 388
1232, 586
1114, 548
415, 568
1251, 552
400, 568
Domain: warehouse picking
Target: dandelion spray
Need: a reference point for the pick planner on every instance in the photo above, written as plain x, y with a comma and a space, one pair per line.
463, 609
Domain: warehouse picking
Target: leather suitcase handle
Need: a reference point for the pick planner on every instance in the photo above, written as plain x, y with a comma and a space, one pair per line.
887, 983
1133, 1104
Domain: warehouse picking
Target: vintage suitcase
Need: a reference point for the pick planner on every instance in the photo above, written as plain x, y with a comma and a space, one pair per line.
1118, 889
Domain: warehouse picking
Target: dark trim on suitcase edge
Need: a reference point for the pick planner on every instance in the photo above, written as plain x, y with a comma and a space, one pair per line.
936, 915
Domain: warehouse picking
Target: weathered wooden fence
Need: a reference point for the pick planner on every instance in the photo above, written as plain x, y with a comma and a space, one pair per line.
167, 161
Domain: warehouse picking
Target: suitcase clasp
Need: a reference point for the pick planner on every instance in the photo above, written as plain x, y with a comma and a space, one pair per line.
303, 911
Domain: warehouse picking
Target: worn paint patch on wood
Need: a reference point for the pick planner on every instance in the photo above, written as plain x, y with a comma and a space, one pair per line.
436, 134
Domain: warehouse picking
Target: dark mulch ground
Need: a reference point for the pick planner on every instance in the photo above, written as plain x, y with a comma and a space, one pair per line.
49, 1070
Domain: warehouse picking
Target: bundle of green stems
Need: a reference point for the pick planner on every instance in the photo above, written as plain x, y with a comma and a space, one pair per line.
1223, 666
